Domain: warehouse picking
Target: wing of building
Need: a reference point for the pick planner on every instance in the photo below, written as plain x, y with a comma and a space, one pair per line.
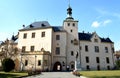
46, 47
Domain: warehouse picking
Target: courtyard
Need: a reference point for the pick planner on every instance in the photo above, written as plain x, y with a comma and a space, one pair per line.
84, 74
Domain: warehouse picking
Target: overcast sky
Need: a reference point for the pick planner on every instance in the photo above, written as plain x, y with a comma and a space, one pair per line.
102, 16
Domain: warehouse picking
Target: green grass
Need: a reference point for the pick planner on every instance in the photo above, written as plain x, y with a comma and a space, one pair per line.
101, 74
12, 74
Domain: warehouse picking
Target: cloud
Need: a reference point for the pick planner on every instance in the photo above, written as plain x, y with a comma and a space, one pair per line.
107, 22
95, 24
108, 13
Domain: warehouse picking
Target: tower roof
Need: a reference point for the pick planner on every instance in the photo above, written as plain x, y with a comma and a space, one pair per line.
69, 13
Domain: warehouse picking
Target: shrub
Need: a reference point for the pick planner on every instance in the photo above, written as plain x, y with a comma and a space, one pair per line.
76, 73
118, 64
8, 64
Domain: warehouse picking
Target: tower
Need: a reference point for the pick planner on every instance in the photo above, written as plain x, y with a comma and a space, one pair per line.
72, 48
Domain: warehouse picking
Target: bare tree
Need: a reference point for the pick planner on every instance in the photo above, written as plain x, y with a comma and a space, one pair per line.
9, 49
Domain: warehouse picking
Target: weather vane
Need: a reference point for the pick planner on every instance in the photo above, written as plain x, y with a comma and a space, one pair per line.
69, 2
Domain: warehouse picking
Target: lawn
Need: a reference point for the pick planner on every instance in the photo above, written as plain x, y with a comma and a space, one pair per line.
101, 74
12, 74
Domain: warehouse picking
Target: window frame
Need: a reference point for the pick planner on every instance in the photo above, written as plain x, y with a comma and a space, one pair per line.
97, 60
43, 34
106, 49
26, 62
32, 48
57, 37
87, 59
23, 48
86, 48
73, 24
107, 60
24, 35
72, 53
57, 51
68, 24
39, 62
33, 35
96, 48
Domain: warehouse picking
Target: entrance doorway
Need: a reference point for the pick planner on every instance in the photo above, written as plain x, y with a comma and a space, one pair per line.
57, 66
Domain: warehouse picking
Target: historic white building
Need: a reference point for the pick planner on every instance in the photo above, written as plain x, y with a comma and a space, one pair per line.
49, 47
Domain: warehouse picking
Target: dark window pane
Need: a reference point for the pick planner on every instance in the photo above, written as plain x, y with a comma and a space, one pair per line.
57, 37
57, 50
24, 35
33, 35
43, 34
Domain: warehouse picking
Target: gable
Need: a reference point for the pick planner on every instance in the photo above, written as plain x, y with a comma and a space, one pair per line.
91, 37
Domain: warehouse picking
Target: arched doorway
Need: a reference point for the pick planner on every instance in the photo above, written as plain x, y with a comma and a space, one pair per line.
57, 66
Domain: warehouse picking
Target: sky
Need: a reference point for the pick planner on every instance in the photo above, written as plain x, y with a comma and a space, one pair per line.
100, 16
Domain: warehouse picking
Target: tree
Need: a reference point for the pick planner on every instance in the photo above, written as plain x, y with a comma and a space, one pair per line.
9, 49
8, 64
118, 64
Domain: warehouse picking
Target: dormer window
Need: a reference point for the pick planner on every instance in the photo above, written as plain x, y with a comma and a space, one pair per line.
95, 40
31, 26
43, 25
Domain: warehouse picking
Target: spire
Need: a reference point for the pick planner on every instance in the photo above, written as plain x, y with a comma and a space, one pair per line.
69, 12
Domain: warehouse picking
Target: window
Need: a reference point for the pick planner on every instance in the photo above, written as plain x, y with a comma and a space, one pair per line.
87, 59
39, 62
98, 67
97, 60
57, 50
96, 49
88, 67
32, 48
106, 49
72, 66
107, 60
73, 24
75, 42
68, 24
57, 37
108, 67
26, 62
23, 48
24, 35
71, 30
95, 40
113, 50
33, 35
71, 41
86, 48
43, 34
72, 53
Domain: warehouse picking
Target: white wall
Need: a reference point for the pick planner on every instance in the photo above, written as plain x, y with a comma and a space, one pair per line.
92, 54
39, 42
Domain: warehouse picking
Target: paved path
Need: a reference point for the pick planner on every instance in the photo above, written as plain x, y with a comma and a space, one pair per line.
55, 75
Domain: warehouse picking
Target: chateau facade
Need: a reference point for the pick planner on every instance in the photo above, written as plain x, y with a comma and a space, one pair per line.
56, 48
